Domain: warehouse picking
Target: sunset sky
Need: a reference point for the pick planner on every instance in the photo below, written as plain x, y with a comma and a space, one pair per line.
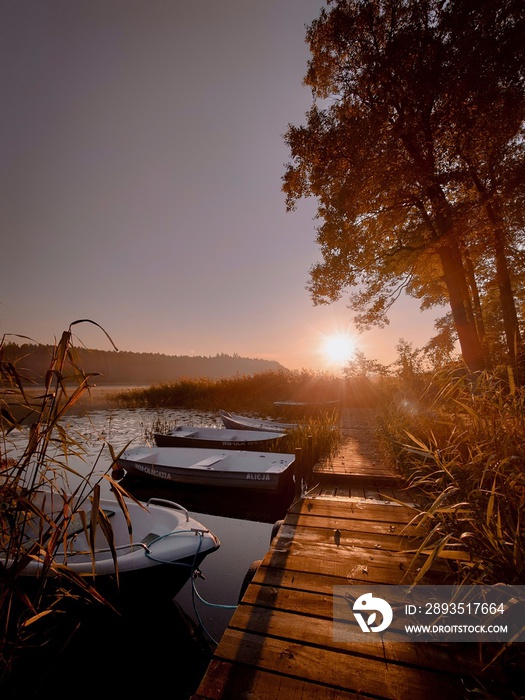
140, 179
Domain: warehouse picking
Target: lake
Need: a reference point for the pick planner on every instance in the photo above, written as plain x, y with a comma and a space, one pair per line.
165, 644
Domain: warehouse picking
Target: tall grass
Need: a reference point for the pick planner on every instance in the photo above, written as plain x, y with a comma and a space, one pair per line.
29, 615
461, 445
255, 393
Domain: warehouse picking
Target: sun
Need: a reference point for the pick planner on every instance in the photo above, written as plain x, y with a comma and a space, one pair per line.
339, 348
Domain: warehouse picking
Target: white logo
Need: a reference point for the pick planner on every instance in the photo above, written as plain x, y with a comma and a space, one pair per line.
374, 605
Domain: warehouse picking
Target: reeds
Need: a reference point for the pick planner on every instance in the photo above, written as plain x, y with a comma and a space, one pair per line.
28, 477
462, 447
255, 393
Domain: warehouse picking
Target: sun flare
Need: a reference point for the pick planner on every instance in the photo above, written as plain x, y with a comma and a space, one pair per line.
339, 348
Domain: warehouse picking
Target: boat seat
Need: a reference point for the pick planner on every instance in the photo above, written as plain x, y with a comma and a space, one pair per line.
149, 538
209, 461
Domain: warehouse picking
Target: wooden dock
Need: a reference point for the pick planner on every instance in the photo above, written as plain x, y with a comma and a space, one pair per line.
279, 643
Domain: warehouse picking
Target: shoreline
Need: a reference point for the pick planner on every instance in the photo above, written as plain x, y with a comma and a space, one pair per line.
100, 397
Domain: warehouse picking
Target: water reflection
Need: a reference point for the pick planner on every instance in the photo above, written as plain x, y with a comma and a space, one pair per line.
242, 504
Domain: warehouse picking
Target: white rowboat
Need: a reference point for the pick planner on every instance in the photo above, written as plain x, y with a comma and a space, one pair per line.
207, 467
163, 549
236, 422
219, 438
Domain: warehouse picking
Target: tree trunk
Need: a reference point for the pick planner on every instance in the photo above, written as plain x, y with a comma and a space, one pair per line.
476, 303
515, 349
455, 278
508, 307
455, 281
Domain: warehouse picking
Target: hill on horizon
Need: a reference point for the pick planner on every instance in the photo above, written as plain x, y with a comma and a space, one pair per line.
132, 368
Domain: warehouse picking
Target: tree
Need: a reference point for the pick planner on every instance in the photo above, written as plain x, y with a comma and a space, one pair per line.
359, 367
439, 351
485, 129
395, 192
409, 362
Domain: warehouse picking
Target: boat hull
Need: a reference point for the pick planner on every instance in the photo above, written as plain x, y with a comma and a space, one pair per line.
205, 467
160, 553
222, 439
236, 422
164, 581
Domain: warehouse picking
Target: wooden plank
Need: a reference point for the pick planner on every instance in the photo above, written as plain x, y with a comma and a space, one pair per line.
352, 571
370, 492
352, 551
351, 563
357, 491
389, 513
329, 490
296, 624
357, 464
345, 537
358, 447
357, 473
299, 580
351, 450
350, 524
235, 682
321, 579
273, 598
343, 670
342, 490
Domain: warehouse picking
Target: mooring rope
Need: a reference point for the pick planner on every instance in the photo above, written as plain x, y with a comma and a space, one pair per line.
196, 572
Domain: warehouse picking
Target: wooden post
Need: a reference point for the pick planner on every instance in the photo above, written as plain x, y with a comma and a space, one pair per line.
310, 468
298, 472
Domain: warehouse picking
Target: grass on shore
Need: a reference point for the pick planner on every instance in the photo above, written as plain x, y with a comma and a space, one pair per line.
461, 445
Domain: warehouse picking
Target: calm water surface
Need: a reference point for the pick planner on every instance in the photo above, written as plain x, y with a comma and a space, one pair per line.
174, 641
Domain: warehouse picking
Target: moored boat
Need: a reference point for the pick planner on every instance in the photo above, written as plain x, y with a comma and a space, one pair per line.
221, 438
237, 422
268, 471
307, 405
154, 546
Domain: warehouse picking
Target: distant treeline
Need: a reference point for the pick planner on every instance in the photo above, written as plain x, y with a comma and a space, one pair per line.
132, 368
